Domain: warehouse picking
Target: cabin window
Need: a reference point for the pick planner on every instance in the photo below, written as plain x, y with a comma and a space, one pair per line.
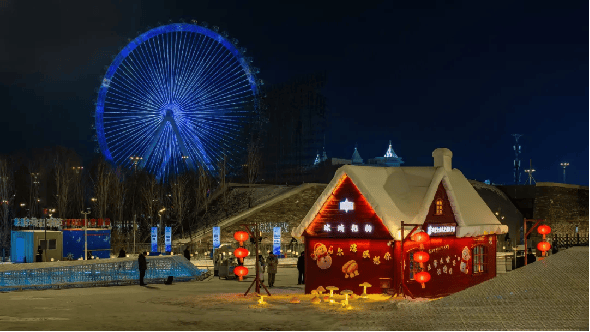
50, 245
414, 266
480, 259
439, 207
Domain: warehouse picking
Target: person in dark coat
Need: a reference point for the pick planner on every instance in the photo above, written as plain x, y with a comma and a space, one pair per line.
122, 253
187, 254
272, 263
142, 267
39, 257
530, 257
301, 268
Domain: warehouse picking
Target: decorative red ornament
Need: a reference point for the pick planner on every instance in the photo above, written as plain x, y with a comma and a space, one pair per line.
544, 229
241, 271
241, 236
241, 252
543, 246
422, 277
421, 237
421, 256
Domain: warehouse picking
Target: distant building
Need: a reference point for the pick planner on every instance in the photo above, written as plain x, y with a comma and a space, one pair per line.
356, 157
389, 159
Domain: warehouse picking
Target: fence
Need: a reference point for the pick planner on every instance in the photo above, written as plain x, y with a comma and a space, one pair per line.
568, 241
98, 273
202, 251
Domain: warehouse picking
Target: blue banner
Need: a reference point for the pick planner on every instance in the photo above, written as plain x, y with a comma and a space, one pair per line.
168, 239
276, 241
216, 239
154, 239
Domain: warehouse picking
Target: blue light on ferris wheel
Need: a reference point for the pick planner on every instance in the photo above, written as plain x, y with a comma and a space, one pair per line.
178, 96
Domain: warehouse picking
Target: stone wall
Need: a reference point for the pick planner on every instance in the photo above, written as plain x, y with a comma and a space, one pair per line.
563, 206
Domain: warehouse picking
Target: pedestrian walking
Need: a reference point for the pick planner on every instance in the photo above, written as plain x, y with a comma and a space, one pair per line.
272, 263
142, 267
187, 254
301, 268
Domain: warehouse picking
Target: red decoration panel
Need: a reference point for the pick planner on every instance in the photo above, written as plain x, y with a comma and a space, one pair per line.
450, 264
347, 214
347, 263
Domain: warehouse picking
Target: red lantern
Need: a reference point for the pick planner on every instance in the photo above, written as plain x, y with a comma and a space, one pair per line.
544, 229
422, 277
421, 237
421, 256
543, 246
241, 236
241, 252
241, 271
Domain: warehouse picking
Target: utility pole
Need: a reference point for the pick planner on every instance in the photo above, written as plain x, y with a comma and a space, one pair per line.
516, 159
134, 218
85, 233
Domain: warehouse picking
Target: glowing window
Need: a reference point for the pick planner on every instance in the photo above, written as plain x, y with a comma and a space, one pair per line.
479, 259
439, 206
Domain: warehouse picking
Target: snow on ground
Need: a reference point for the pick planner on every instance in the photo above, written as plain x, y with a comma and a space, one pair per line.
217, 304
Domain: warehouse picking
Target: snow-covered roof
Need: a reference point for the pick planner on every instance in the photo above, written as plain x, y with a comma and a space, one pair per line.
406, 193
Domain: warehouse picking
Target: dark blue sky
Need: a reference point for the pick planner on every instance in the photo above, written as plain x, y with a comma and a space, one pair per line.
424, 74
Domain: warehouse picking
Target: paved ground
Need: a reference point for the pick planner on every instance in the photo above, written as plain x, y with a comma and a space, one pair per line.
546, 295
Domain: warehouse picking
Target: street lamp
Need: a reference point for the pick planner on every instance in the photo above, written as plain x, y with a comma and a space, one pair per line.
85, 233
135, 160
564, 165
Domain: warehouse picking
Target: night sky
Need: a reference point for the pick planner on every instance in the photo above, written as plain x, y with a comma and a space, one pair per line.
431, 74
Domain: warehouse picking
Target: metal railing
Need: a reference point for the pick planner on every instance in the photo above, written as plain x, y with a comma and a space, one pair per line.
96, 273
567, 241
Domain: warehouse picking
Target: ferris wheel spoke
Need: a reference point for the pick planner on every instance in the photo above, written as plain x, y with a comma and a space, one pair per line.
212, 81
146, 77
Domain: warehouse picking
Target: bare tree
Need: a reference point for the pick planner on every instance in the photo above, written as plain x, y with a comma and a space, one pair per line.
253, 166
102, 184
6, 201
180, 198
77, 197
222, 182
201, 191
150, 193
63, 182
118, 198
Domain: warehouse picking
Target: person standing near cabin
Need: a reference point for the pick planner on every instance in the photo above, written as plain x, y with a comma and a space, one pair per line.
187, 254
301, 268
122, 253
272, 263
142, 267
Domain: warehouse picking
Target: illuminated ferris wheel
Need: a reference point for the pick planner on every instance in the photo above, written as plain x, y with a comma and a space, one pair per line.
177, 97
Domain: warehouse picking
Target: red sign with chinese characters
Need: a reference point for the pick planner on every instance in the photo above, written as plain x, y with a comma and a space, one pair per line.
347, 214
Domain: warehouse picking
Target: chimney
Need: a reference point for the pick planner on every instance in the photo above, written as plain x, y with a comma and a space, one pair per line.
443, 157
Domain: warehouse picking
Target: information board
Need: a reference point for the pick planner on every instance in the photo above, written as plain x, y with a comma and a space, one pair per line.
168, 239
154, 239
216, 240
276, 241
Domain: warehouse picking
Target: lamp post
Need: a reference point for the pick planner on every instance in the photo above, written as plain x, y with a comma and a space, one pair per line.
564, 165
160, 214
135, 160
51, 212
85, 233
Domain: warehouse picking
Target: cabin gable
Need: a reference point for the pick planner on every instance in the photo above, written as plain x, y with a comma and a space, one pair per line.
347, 214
